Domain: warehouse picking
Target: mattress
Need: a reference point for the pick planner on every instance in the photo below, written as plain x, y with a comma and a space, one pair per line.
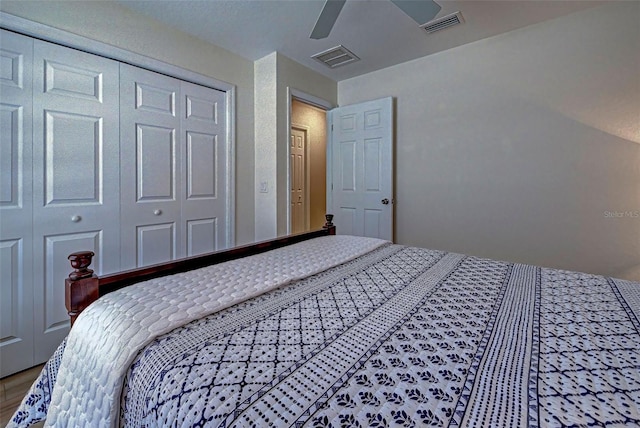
386, 335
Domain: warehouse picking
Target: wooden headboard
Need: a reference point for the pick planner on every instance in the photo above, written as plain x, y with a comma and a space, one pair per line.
83, 287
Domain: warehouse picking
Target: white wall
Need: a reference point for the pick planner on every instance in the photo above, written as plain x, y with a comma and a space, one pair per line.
108, 22
523, 146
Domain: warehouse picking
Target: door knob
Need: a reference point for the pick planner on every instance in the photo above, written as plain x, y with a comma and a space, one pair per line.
76, 218
385, 201
157, 212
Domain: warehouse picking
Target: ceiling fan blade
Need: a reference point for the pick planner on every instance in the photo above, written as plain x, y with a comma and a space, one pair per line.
421, 11
327, 18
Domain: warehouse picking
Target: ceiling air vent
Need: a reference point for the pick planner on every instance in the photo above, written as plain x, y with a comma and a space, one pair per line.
442, 23
335, 57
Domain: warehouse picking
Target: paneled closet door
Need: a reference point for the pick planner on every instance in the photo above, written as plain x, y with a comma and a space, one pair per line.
205, 164
150, 168
16, 204
76, 177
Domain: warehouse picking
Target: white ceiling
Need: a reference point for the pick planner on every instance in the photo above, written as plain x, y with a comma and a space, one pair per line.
375, 30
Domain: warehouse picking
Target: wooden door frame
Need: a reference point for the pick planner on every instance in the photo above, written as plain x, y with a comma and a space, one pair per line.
312, 100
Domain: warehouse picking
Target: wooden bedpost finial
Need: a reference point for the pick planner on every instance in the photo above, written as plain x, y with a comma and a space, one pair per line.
329, 218
80, 261
81, 288
328, 226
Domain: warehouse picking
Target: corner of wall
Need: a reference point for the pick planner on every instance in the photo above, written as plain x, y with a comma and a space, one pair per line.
265, 117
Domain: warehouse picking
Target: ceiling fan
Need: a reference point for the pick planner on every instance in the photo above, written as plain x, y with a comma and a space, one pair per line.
421, 11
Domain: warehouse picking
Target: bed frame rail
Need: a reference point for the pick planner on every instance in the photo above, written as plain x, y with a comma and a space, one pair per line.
83, 287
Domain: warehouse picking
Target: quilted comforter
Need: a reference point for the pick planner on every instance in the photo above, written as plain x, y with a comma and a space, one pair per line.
387, 335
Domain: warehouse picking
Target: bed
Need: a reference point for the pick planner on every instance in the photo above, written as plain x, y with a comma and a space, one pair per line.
339, 331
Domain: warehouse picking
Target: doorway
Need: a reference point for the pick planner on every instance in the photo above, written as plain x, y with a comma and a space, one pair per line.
307, 165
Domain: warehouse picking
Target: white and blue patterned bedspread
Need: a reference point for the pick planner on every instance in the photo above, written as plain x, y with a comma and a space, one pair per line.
401, 337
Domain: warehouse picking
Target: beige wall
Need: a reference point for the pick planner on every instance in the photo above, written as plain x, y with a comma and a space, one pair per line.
107, 22
523, 146
315, 120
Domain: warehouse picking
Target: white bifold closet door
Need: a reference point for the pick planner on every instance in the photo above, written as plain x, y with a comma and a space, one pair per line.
173, 163
102, 156
76, 202
16, 204
150, 193
59, 188
205, 166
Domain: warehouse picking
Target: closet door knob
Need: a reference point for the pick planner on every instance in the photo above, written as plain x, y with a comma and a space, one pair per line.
76, 218
157, 212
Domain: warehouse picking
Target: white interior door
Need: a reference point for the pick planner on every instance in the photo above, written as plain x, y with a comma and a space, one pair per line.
76, 164
298, 171
360, 169
16, 203
150, 167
